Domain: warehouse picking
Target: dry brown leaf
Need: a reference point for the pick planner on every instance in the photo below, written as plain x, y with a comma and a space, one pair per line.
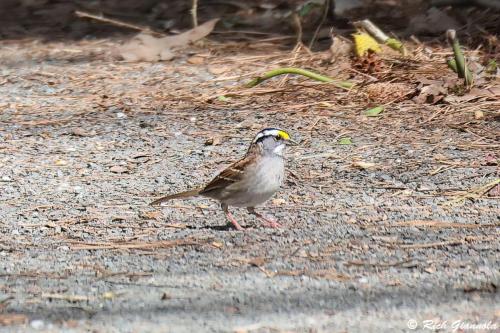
152, 215
144, 47
430, 94
363, 165
278, 201
473, 94
478, 114
217, 245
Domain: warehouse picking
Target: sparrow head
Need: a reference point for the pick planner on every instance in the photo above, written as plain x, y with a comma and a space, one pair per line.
272, 141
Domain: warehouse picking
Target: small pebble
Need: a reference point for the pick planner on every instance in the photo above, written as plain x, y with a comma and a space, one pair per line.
363, 280
37, 324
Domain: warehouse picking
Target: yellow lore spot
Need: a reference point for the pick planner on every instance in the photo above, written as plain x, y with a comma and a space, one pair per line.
284, 135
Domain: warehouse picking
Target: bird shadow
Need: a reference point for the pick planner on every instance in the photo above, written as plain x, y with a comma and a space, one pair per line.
226, 227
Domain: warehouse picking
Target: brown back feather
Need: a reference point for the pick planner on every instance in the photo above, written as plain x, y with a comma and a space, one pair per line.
232, 174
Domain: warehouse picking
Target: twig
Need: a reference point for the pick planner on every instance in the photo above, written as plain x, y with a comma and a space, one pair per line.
194, 13
299, 71
116, 22
435, 224
69, 298
323, 18
444, 243
297, 48
377, 264
136, 245
474, 193
296, 20
328, 274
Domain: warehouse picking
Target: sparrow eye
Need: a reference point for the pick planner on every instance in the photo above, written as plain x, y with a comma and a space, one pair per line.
278, 138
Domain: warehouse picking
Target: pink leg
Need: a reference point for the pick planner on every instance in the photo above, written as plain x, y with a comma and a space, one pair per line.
268, 221
231, 218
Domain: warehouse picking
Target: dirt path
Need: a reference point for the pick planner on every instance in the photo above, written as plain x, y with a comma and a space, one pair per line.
87, 142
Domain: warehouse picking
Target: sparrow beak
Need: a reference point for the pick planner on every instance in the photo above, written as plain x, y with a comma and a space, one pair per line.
292, 142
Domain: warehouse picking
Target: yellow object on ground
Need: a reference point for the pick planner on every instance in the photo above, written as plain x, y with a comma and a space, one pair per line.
364, 42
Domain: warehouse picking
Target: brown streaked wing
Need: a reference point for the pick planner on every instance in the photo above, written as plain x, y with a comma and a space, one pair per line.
230, 175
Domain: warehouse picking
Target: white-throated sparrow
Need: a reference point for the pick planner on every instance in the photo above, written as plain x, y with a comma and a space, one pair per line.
250, 181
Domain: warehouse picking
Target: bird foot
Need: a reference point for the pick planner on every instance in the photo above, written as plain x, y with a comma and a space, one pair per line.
233, 221
270, 222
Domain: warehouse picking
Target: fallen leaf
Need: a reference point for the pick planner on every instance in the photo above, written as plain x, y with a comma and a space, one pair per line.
374, 112
152, 215
345, 141
217, 245
430, 94
278, 201
223, 98
108, 295
325, 104
363, 165
473, 94
118, 169
144, 47
61, 162
478, 114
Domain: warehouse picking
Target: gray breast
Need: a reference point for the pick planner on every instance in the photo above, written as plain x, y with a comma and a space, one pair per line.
265, 179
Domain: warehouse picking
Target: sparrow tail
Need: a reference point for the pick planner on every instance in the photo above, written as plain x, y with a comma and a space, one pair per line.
181, 195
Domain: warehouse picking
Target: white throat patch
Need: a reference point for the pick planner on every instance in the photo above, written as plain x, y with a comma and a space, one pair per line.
279, 149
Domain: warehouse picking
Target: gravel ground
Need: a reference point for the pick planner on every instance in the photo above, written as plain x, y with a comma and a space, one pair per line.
87, 143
